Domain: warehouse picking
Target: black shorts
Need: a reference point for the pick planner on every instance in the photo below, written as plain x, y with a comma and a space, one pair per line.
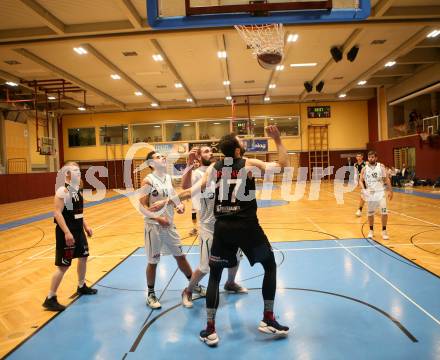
232, 234
63, 253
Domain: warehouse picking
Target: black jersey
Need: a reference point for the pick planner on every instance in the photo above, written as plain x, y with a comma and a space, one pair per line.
359, 167
73, 207
235, 190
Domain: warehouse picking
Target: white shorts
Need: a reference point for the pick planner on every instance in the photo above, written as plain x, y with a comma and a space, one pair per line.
374, 204
205, 250
161, 240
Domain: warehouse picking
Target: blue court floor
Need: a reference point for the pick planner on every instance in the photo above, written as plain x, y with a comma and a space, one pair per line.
343, 299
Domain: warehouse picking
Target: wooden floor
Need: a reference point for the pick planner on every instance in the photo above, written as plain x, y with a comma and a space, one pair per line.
27, 252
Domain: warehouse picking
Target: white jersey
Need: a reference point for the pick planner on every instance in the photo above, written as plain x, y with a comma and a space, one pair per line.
161, 188
375, 177
206, 198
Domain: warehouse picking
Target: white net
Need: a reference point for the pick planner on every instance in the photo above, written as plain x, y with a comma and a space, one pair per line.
263, 39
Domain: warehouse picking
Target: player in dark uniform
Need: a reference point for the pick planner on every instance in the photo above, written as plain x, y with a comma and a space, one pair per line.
359, 165
71, 241
237, 226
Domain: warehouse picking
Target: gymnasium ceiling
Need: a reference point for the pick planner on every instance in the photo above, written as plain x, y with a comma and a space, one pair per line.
37, 38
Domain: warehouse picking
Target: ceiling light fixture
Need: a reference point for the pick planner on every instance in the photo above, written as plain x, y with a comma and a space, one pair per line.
115, 77
433, 34
80, 50
157, 57
390, 63
292, 37
303, 65
362, 82
221, 54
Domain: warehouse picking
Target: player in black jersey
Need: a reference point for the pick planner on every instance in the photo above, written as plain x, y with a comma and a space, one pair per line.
237, 226
71, 241
359, 165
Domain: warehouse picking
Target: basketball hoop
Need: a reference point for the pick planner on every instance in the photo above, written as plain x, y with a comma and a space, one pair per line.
266, 42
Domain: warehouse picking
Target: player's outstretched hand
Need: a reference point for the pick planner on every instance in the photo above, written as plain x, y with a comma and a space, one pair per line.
163, 221
180, 208
273, 132
158, 205
89, 231
193, 155
70, 241
390, 195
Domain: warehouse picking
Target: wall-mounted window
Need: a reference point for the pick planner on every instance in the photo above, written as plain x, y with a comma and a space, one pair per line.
257, 127
180, 131
288, 126
113, 135
82, 137
146, 133
213, 129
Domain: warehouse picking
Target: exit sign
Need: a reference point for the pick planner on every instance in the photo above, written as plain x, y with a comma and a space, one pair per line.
314, 112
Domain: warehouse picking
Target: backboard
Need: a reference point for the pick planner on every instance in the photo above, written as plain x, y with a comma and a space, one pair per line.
184, 14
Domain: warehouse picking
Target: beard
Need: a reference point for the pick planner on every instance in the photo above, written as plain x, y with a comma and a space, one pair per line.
242, 151
207, 162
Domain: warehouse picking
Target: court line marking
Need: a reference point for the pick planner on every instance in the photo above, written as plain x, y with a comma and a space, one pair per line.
29, 259
432, 317
392, 211
281, 250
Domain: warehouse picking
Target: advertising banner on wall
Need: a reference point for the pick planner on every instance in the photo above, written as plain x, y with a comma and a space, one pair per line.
169, 148
251, 145
256, 145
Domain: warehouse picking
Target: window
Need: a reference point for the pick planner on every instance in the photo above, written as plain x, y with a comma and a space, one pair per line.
214, 129
113, 135
240, 126
257, 127
288, 126
180, 131
146, 133
82, 137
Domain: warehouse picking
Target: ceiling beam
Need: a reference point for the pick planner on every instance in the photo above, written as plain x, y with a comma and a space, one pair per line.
413, 12
349, 43
173, 69
381, 7
67, 76
397, 70
118, 70
421, 56
131, 13
402, 49
114, 30
429, 43
50, 20
224, 64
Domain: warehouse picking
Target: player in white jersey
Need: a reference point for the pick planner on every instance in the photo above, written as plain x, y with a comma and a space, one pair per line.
375, 183
160, 234
204, 203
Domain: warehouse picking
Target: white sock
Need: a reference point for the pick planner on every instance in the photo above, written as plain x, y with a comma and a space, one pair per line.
81, 283
51, 294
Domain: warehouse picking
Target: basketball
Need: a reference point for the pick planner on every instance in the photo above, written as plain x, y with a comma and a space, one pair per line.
269, 61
